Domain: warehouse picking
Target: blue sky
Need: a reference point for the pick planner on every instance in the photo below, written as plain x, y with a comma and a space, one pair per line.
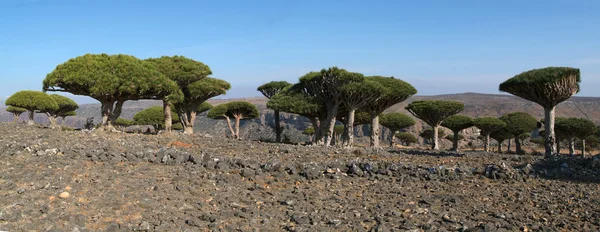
440, 47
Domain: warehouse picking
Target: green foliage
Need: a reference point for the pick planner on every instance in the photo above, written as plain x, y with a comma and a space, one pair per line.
327, 84
428, 134
519, 122
592, 142
338, 129
575, 127
433, 112
451, 137
32, 101
541, 76
270, 89
16, 110
109, 77
406, 138
153, 116
65, 105
234, 109
458, 122
218, 112
205, 106
395, 91
122, 122
487, 125
180, 69
501, 135
310, 131
67, 114
292, 100
538, 141
396, 121
205, 89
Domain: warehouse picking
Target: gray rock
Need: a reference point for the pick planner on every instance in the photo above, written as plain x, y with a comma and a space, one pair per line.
246, 172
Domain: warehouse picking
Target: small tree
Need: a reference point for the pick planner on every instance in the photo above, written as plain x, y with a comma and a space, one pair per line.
434, 112
122, 123
500, 136
358, 95
65, 105
269, 90
396, 122
194, 95
518, 123
153, 116
573, 128
338, 131
546, 87
428, 134
488, 125
238, 110
406, 138
16, 112
310, 131
591, 143
32, 101
451, 137
457, 123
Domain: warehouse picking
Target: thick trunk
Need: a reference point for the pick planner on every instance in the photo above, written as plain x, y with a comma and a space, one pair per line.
349, 129
237, 126
116, 112
330, 124
549, 134
188, 126
486, 143
583, 148
230, 127
277, 127
435, 145
455, 141
168, 119
375, 130
30, 122
518, 145
317, 136
571, 146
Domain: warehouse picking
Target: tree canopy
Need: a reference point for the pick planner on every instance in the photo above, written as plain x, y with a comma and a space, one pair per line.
194, 95
518, 123
488, 125
205, 106
32, 101
434, 112
573, 128
358, 95
269, 90
500, 136
396, 121
65, 105
153, 116
405, 138
16, 112
546, 87
457, 123
238, 110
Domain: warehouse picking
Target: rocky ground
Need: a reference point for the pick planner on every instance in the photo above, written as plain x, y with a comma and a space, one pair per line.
55, 180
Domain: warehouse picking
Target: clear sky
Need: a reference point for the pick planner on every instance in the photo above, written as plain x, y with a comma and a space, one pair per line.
440, 47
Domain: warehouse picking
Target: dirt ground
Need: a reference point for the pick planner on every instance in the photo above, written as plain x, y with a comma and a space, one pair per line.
54, 180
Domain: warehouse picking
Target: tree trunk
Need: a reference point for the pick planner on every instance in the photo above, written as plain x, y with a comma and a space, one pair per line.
435, 145
349, 129
571, 146
229, 126
550, 137
508, 146
392, 139
116, 112
53, 120
330, 123
30, 122
188, 126
375, 130
500, 146
277, 127
315, 124
237, 126
16, 117
168, 120
518, 145
455, 141
583, 148
558, 145
486, 143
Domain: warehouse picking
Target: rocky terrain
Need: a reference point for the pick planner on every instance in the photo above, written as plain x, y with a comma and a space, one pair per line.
54, 180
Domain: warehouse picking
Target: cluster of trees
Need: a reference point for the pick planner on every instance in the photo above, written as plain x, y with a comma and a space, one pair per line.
179, 82
53, 105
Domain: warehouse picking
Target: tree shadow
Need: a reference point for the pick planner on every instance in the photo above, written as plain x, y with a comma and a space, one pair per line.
426, 153
569, 168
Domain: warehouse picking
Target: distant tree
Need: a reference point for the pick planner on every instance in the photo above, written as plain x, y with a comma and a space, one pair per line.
434, 112
205, 106
406, 138
488, 125
110, 79
396, 122
310, 131
196, 94
500, 136
546, 87
573, 128
183, 71
518, 123
65, 105
122, 122
64, 115
32, 101
457, 123
338, 131
451, 137
269, 90
153, 116
237, 110
395, 91
592, 143
428, 134
358, 95
16, 112
326, 88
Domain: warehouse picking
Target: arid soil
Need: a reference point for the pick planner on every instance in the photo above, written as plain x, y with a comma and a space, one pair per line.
54, 180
